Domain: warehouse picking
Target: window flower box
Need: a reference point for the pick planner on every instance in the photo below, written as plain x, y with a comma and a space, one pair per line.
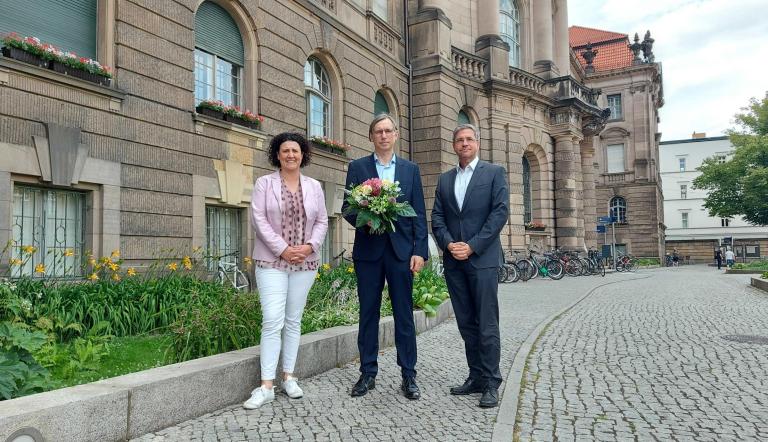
31, 50
535, 226
331, 146
218, 110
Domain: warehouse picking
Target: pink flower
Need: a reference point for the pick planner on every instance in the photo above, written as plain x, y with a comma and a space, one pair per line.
364, 203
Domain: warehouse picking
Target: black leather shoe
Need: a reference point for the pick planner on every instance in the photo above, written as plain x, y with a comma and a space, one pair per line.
363, 385
470, 386
410, 388
490, 397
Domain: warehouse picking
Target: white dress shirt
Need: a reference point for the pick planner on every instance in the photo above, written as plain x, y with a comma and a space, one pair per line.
385, 171
463, 176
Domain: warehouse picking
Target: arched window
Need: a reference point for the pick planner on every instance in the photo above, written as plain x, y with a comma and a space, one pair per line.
380, 105
318, 88
219, 56
463, 118
618, 209
510, 29
527, 199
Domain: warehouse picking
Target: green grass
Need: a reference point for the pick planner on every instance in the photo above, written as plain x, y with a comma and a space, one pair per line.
126, 355
752, 265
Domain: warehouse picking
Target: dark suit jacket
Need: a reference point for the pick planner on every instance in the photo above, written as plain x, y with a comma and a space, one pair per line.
410, 236
481, 218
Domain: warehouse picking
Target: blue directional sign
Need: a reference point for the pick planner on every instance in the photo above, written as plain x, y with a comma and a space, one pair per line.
601, 228
605, 219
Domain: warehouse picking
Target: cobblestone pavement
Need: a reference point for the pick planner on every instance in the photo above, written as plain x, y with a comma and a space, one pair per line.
645, 360
327, 412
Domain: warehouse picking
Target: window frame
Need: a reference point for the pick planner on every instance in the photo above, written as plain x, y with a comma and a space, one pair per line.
617, 107
684, 220
235, 244
527, 192
683, 191
312, 91
509, 21
41, 255
608, 158
379, 6
682, 164
617, 207
214, 72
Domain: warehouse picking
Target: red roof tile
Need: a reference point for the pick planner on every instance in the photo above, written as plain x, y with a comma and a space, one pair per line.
612, 48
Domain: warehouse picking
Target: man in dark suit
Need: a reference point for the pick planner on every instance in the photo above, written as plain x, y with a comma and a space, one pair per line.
471, 207
392, 256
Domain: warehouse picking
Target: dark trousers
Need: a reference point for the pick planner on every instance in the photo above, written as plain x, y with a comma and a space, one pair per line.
719, 263
474, 295
370, 282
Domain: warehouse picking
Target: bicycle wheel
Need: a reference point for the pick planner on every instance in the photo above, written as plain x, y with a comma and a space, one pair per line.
555, 269
629, 266
220, 278
502, 274
513, 272
242, 283
525, 269
573, 268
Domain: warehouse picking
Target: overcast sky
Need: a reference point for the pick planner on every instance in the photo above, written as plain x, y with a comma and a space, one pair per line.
714, 54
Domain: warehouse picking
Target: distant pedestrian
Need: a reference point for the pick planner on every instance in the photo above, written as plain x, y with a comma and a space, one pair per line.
719, 258
730, 258
675, 258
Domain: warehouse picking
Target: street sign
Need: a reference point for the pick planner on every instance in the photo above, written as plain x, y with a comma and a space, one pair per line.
601, 228
605, 219
728, 240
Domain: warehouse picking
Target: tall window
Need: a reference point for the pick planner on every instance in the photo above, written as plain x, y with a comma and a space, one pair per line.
509, 28
381, 9
463, 118
615, 156
618, 209
219, 56
683, 191
725, 222
48, 232
684, 219
318, 88
527, 199
223, 234
380, 105
614, 104
681, 164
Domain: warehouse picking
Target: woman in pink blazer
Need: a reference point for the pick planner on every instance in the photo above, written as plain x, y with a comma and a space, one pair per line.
289, 218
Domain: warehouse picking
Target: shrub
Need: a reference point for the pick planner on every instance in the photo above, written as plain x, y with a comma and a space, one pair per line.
20, 373
429, 291
764, 275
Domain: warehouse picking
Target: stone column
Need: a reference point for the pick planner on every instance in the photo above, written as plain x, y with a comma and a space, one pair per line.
588, 183
489, 44
562, 45
430, 32
567, 176
437, 4
542, 39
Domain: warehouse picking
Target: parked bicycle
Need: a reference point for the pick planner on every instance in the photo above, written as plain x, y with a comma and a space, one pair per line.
341, 259
228, 273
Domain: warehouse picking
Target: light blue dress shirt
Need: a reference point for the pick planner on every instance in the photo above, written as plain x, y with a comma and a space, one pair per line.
386, 172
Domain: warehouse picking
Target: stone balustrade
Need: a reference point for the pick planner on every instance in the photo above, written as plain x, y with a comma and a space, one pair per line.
621, 177
519, 77
468, 65
567, 87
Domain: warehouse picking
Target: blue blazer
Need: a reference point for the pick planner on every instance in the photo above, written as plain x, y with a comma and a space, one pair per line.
410, 235
479, 222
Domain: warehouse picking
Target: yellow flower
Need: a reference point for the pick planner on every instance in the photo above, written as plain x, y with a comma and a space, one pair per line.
113, 266
350, 269
186, 262
69, 252
92, 261
115, 253
326, 267
28, 249
104, 260
131, 271
173, 266
15, 262
115, 277
317, 276
97, 267
40, 268
93, 277
248, 261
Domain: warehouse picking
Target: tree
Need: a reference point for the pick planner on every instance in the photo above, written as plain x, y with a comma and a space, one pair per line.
739, 186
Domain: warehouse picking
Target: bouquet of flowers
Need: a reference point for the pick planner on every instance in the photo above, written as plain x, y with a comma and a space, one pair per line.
375, 203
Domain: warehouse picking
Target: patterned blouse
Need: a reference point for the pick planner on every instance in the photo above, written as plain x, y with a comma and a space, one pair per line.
294, 224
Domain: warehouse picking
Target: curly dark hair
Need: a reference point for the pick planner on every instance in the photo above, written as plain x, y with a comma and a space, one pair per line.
279, 139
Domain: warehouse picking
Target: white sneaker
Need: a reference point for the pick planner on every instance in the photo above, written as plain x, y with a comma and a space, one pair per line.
259, 397
292, 389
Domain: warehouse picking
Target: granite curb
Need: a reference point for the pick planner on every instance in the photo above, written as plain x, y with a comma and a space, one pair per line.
761, 284
129, 406
503, 429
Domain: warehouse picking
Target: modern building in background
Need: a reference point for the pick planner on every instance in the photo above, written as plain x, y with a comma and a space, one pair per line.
133, 166
690, 229
626, 159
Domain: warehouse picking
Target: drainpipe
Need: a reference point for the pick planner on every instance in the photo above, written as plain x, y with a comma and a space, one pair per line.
407, 36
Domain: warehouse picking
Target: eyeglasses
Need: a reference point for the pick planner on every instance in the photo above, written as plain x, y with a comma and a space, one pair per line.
462, 140
381, 132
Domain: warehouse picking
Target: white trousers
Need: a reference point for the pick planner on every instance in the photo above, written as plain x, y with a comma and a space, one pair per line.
283, 296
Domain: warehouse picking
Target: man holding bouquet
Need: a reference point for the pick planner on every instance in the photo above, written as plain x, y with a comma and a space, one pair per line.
387, 209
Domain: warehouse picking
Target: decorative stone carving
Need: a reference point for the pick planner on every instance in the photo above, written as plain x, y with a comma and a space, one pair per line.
636, 47
231, 175
589, 56
61, 156
647, 47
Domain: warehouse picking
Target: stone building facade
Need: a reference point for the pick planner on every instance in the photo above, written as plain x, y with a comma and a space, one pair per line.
132, 165
627, 174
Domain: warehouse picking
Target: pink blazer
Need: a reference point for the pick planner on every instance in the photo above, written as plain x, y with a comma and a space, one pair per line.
267, 216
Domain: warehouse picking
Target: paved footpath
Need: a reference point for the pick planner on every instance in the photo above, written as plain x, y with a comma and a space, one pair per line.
646, 360
328, 413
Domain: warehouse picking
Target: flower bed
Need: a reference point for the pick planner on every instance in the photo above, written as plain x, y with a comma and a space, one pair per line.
32, 51
329, 145
233, 114
535, 226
